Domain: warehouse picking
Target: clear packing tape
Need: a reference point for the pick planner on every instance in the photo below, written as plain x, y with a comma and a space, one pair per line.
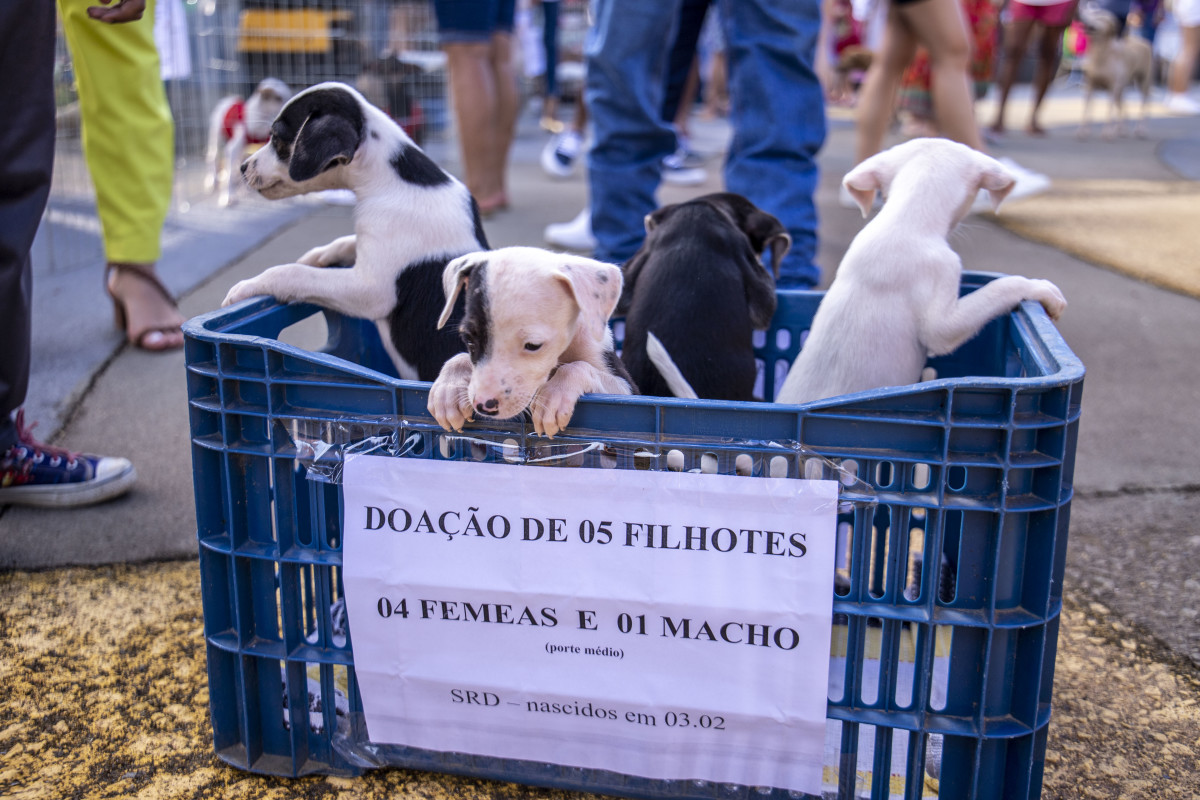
321, 446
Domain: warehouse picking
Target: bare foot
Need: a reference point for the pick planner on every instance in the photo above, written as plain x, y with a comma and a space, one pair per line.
1033, 129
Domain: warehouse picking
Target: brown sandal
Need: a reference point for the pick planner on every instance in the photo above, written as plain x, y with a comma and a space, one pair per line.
151, 337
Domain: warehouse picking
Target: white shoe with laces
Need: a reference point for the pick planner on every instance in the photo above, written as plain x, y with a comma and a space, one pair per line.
573, 235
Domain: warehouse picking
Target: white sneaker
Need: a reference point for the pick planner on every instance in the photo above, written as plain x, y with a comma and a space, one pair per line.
675, 171
561, 154
573, 235
1178, 103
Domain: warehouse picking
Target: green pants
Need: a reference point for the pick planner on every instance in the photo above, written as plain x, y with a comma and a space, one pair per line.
128, 134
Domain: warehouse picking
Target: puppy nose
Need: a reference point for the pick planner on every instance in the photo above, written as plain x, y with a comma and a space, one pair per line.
489, 407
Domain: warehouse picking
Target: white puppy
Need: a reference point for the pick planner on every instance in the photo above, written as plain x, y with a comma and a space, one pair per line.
235, 124
537, 336
411, 218
895, 300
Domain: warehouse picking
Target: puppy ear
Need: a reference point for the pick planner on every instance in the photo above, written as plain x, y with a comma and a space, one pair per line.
656, 217
997, 181
323, 142
862, 182
760, 291
629, 274
454, 278
596, 287
767, 233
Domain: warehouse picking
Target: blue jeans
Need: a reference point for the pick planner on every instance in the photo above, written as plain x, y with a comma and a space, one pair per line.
777, 115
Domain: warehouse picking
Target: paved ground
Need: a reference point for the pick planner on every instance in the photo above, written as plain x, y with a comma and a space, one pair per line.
1131, 642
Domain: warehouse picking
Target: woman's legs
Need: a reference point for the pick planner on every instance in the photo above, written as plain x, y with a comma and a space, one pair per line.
484, 92
1184, 65
122, 101
1016, 39
877, 97
1049, 54
939, 25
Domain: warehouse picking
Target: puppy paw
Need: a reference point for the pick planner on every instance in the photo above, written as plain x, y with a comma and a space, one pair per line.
1050, 296
554, 404
449, 400
339, 252
551, 412
243, 290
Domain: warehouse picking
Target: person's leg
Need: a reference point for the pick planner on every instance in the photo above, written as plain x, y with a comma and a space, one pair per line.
1016, 39
122, 102
877, 96
32, 473
778, 119
1049, 55
473, 94
549, 119
1184, 65
508, 101
477, 40
940, 26
626, 66
26, 165
682, 60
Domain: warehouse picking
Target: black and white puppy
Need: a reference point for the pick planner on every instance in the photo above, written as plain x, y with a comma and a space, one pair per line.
537, 336
235, 124
695, 292
410, 219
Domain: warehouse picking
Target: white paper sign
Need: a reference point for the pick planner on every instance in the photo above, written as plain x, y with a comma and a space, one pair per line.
658, 624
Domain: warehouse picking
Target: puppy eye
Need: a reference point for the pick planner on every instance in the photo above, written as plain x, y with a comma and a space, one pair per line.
533, 348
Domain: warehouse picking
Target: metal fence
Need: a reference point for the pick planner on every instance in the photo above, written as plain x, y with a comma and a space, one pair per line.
213, 48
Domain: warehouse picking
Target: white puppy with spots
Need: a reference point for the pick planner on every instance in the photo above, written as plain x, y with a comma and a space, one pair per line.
536, 329
411, 218
895, 299
234, 125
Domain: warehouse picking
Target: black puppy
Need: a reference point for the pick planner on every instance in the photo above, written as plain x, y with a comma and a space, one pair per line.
695, 292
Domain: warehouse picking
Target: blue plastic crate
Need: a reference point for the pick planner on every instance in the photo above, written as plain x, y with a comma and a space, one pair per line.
972, 469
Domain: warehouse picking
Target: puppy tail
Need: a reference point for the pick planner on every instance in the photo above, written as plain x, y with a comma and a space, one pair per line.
665, 365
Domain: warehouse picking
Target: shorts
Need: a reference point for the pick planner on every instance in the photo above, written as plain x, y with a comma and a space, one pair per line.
1055, 15
473, 20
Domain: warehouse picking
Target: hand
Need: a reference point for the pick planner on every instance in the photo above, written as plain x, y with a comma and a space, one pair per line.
123, 11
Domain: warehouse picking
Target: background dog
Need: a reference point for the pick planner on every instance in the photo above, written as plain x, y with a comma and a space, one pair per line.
537, 337
235, 124
410, 219
1113, 63
894, 301
695, 292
